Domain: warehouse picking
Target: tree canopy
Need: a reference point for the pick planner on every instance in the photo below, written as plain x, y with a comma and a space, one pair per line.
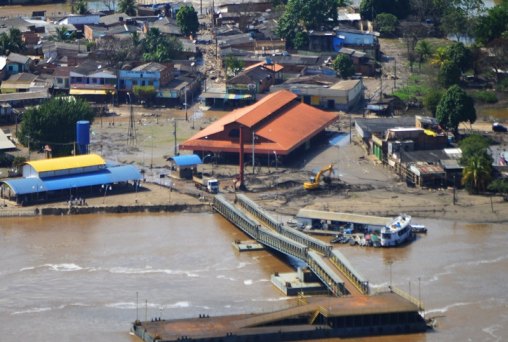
11, 41
187, 20
158, 47
369, 9
127, 6
494, 24
386, 24
455, 107
54, 123
343, 66
80, 7
304, 15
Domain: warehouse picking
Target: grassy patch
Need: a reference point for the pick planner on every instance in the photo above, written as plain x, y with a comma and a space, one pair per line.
485, 96
415, 88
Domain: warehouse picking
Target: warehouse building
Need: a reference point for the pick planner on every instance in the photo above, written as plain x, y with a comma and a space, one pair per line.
81, 176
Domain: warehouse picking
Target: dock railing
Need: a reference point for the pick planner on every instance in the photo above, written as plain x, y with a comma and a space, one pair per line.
409, 297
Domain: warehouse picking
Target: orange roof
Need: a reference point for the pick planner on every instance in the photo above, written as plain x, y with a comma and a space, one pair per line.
293, 124
272, 67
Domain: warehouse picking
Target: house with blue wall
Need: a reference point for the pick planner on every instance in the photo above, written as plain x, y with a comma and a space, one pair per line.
13, 64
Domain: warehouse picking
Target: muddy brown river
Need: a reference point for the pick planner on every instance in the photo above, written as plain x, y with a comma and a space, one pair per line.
84, 278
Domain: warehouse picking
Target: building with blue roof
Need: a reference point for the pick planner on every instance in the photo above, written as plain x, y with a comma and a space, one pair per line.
68, 177
185, 165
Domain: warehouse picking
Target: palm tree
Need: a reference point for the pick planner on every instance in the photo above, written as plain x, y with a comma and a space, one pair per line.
440, 56
424, 51
477, 173
127, 6
62, 34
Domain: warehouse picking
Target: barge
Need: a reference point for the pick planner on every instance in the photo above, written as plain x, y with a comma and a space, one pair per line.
381, 314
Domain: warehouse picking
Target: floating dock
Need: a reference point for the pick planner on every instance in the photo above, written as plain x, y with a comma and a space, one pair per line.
248, 246
384, 313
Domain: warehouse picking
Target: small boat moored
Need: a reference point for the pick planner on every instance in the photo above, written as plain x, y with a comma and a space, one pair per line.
397, 231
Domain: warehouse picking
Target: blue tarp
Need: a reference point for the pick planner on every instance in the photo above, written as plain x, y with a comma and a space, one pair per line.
186, 160
110, 175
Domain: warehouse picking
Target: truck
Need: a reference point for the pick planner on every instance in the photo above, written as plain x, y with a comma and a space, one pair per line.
206, 183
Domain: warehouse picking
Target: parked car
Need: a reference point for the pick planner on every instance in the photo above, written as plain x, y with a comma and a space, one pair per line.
497, 127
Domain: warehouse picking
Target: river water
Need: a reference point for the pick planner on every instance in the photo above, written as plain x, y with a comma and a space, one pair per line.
76, 277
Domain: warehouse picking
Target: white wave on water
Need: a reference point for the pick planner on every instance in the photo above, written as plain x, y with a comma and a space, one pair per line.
122, 305
64, 267
446, 308
490, 330
221, 276
248, 282
32, 310
182, 304
27, 269
449, 269
149, 270
378, 286
278, 299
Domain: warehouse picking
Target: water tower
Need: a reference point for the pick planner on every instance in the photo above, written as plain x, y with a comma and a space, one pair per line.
83, 136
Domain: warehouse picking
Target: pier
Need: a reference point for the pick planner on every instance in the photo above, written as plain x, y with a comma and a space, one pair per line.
330, 266
351, 310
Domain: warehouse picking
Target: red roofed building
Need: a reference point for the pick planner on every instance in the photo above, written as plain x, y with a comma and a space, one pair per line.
279, 125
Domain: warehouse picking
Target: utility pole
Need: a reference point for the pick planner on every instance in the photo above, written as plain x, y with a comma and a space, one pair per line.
28, 147
186, 118
131, 132
174, 134
253, 150
394, 74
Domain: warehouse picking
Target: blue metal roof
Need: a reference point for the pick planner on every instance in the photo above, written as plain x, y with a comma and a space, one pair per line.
186, 160
110, 175
22, 186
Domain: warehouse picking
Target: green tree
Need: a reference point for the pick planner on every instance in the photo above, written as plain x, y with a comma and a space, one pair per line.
492, 25
54, 123
499, 186
476, 174
304, 15
431, 99
233, 65
458, 54
386, 24
474, 145
301, 40
455, 23
145, 94
343, 65
127, 6
158, 47
187, 20
423, 51
455, 107
449, 74
11, 41
63, 34
80, 7
369, 9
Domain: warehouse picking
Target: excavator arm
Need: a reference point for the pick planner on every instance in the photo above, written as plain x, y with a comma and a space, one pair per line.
315, 183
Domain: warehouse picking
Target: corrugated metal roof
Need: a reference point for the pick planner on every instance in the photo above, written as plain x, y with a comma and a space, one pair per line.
5, 143
22, 186
282, 133
186, 160
265, 107
65, 163
111, 175
343, 217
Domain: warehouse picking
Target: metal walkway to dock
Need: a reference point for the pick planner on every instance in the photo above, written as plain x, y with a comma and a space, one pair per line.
329, 265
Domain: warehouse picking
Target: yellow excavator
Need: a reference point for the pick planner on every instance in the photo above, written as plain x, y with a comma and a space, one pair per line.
315, 181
